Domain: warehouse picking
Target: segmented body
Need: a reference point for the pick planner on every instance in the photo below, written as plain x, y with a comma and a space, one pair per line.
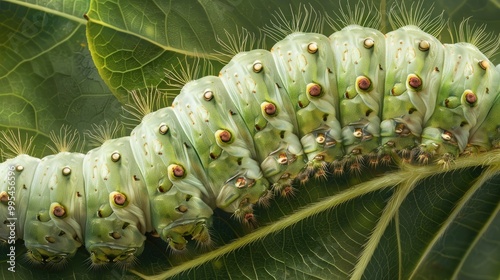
270, 118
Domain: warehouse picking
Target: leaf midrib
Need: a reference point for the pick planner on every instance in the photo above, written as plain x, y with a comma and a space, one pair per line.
48, 11
211, 56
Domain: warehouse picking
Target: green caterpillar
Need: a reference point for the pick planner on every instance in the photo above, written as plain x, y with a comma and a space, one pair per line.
270, 118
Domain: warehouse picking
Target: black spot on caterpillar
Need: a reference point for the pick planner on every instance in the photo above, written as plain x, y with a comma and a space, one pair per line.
325, 98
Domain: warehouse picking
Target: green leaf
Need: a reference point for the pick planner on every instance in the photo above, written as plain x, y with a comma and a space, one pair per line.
414, 222
133, 43
47, 76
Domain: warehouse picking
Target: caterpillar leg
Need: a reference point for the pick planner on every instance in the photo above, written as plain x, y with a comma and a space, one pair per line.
175, 234
45, 256
182, 215
103, 255
112, 241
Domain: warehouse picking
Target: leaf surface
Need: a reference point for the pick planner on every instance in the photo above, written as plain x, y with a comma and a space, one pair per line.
47, 76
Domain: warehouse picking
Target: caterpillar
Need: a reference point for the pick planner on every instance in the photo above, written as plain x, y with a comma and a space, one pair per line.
270, 118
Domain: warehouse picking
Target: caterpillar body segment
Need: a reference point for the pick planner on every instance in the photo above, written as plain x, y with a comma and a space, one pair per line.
359, 58
414, 65
305, 64
223, 143
15, 189
463, 102
118, 212
176, 181
253, 78
55, 216
487, 135
160, 145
